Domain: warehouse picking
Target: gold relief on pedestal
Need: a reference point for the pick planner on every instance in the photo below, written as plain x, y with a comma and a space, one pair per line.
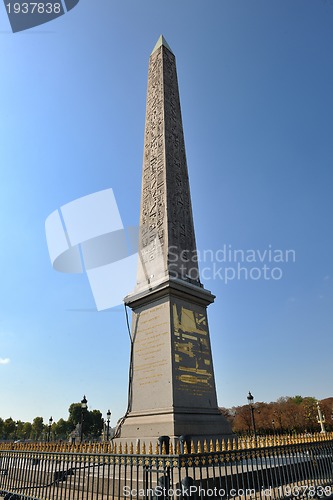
192, 354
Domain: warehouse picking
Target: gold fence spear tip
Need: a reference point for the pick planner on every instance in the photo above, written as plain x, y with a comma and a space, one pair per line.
211, 446
163, 448
223, 445
150, 449
229, 445
199, 450
137, 447
234, 444
185, 448
115, 448
205, 446
217, 445
157, 450
192, 447
178, 448
131, 449
171, 448
126, 449
120, 448
144, 449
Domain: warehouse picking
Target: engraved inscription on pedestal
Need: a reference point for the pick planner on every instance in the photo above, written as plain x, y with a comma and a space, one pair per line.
152, 358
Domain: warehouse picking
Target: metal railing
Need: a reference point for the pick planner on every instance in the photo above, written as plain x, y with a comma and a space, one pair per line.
289, 469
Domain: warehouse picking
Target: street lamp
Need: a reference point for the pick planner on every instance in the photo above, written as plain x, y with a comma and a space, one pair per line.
108, 417
273, 424
84, 407
49, 433
250, 399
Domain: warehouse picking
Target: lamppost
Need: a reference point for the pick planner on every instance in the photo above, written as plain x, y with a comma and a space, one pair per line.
273, 424
84, 407
49, 433
108, 417
250, 399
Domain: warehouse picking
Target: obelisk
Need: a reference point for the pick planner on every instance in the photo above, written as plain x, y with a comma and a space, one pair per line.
172, 389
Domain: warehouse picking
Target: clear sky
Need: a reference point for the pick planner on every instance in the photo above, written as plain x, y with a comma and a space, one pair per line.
256, 80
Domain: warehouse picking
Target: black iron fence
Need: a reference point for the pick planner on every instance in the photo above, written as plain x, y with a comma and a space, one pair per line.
276, 471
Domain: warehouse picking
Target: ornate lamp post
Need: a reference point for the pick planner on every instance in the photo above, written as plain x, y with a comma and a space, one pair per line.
84, 407
49, 433
250, 399
108, 417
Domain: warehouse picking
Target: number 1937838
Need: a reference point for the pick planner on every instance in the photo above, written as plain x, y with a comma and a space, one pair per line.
33, 8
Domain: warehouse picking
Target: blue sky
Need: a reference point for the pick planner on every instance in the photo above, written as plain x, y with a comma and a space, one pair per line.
256, 79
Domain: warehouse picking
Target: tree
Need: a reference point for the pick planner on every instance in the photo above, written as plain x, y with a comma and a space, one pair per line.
92, 420
37, 428
19, 429
75, 414
309, 406
295, 414
62, 428
242, 419
9, 428
326, 406
27, 430
96, 423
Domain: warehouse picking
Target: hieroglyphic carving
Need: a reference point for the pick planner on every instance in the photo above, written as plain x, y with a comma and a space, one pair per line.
181, 228
153, 181
166, 213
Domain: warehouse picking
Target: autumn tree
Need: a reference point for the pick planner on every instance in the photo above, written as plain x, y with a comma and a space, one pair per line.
326, 406
295, 414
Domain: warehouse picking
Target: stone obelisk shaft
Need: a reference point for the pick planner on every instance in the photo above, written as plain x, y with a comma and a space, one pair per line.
167, 240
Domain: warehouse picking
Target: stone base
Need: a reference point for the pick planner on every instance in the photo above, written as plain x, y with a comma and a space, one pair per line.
199, 426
